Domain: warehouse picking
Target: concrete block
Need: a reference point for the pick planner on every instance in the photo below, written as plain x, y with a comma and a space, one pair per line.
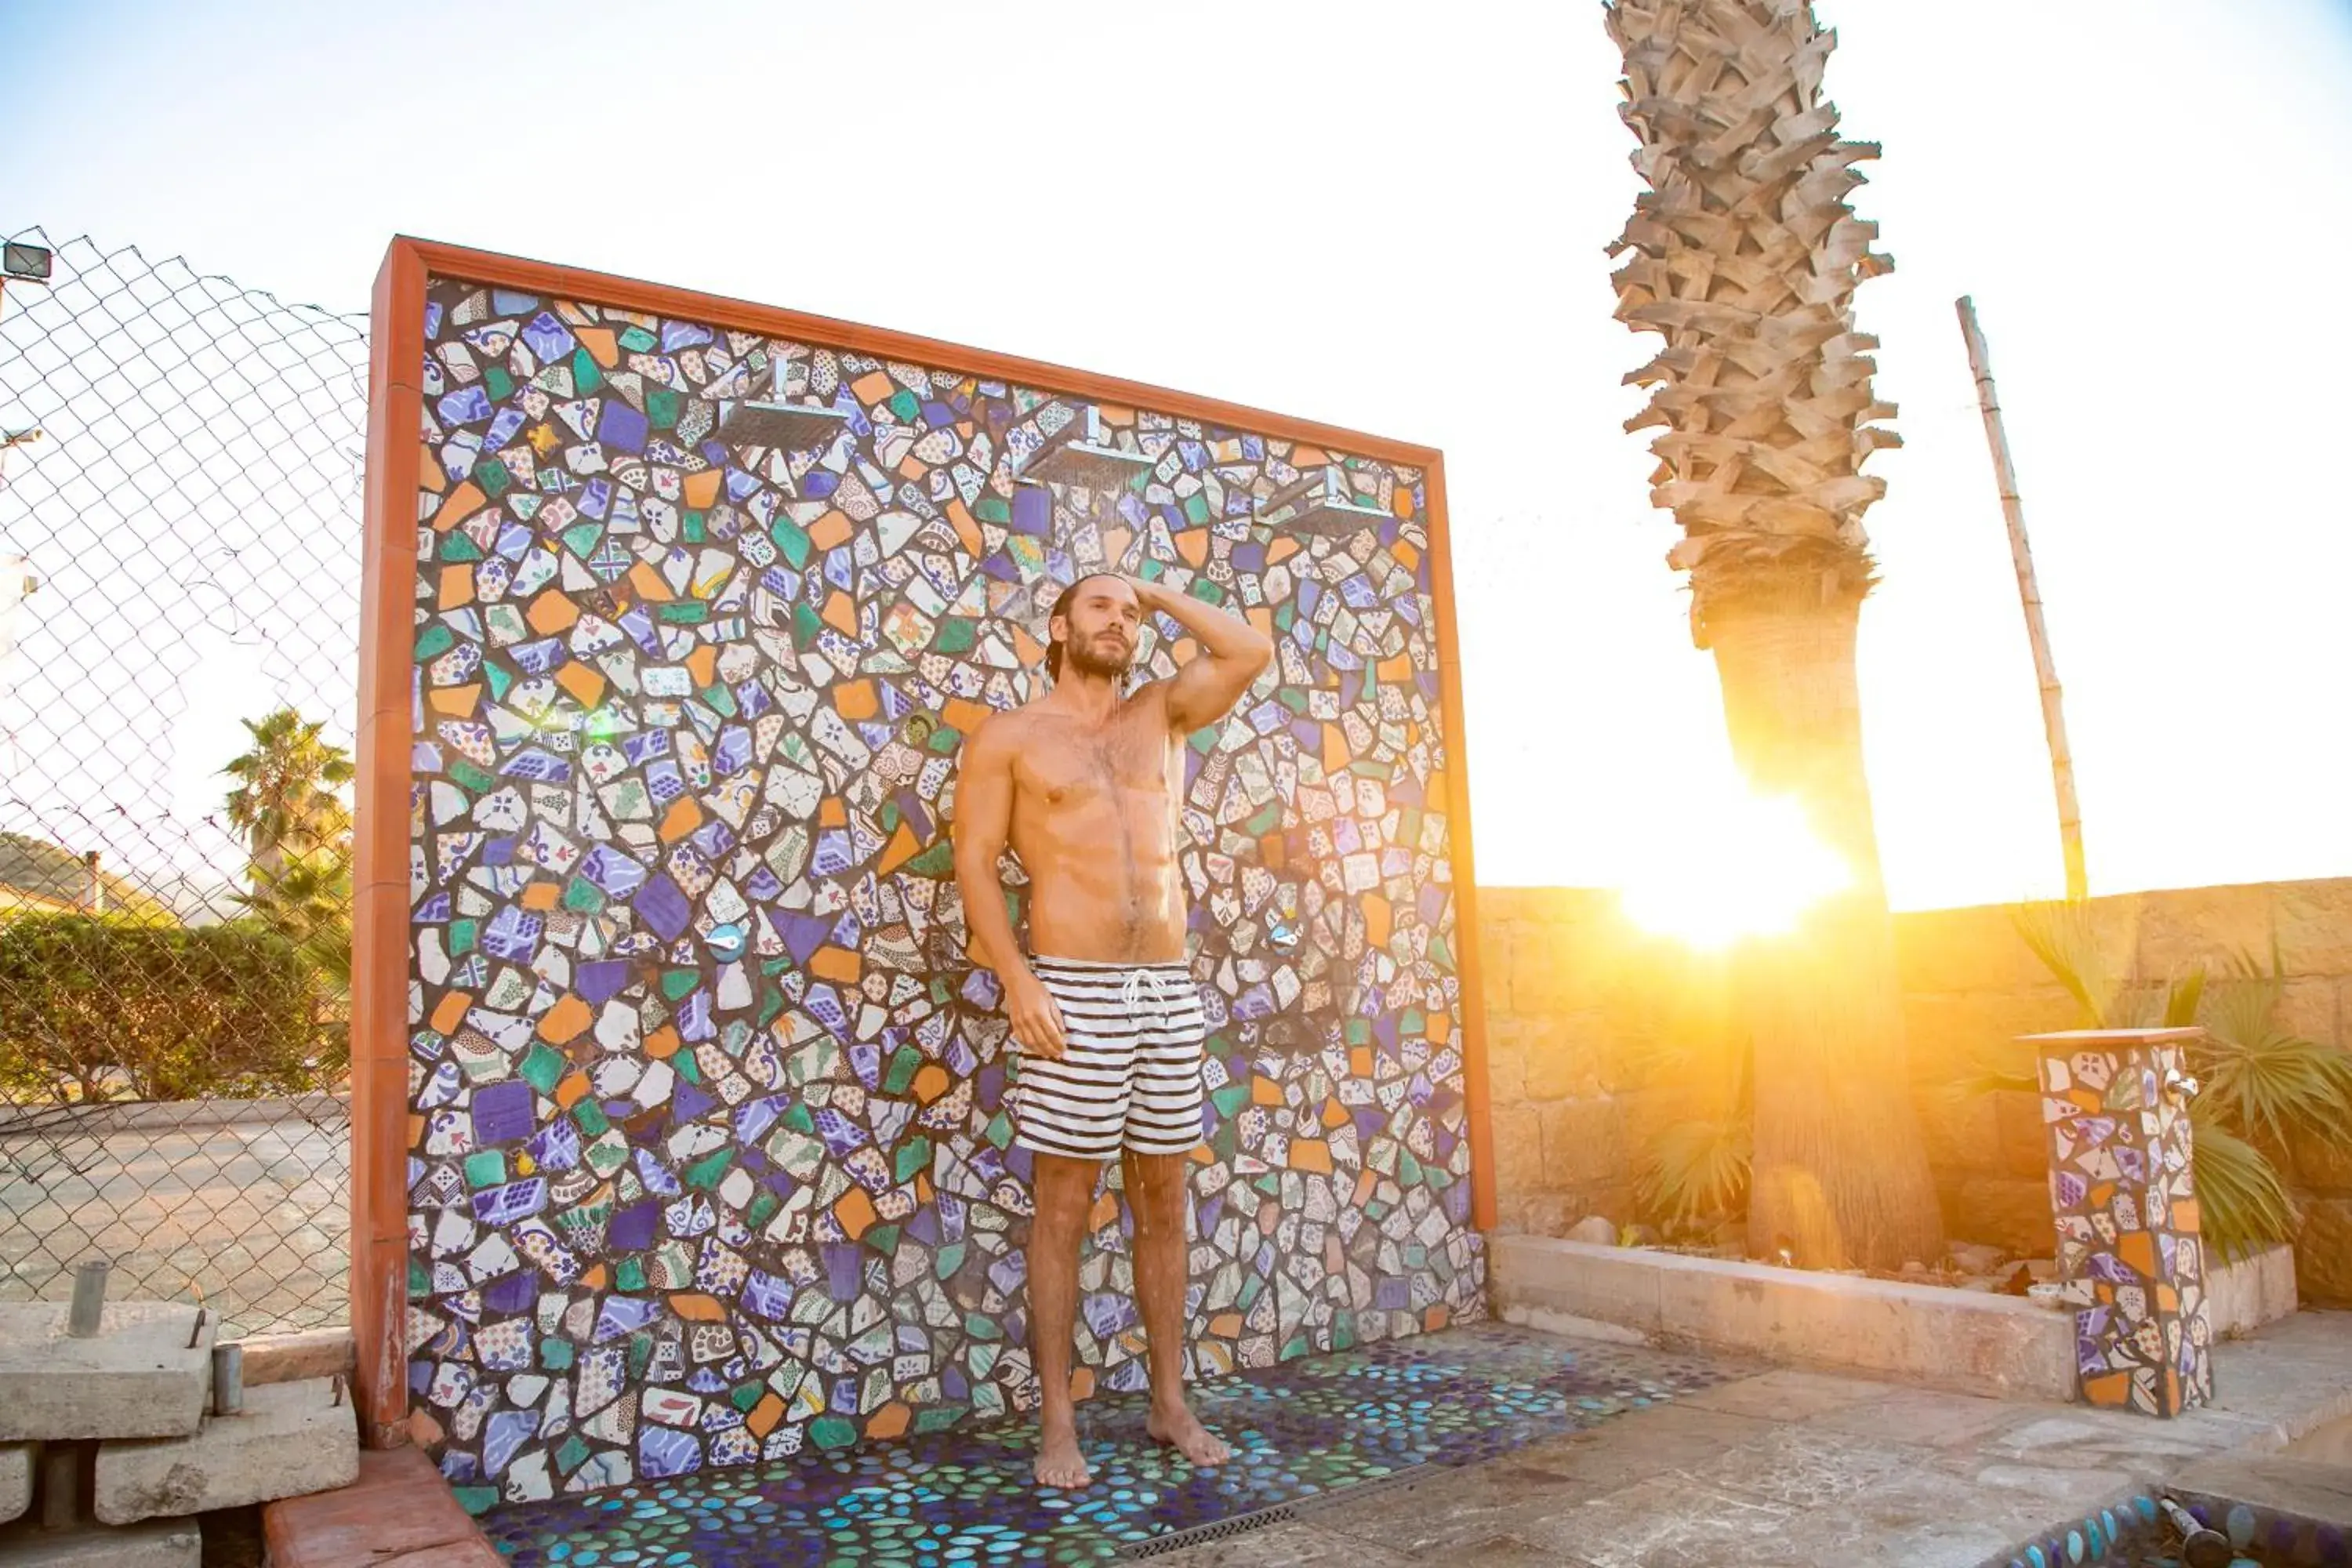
139, 1376
291, 1440
1609, 1284
166, 1544
290, 1358
1954, 1339
16, 1480
2241, 1297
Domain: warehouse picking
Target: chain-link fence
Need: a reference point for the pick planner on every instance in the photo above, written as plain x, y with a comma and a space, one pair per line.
180, 495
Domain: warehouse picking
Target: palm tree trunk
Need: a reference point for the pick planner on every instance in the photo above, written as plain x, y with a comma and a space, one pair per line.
1840, 1177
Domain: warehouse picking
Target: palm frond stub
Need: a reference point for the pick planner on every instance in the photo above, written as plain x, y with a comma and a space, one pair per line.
1744, 254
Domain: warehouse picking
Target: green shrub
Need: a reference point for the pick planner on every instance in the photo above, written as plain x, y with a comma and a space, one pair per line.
106, 1006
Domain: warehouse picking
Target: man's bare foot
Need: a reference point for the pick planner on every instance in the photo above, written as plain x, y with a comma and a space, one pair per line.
1182, 1431
1058, 1461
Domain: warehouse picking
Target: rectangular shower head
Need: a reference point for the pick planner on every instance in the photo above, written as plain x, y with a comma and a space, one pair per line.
1320, 502
783, 426
1080, 454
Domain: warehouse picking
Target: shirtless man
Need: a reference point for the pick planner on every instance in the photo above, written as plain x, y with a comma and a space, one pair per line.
1086, 786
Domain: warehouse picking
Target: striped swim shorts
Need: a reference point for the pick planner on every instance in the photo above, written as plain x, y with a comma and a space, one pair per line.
1132, 1076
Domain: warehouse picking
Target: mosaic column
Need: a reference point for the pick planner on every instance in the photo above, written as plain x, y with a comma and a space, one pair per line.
2129, 1256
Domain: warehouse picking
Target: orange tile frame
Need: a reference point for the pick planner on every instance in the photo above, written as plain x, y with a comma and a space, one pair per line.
382, 1132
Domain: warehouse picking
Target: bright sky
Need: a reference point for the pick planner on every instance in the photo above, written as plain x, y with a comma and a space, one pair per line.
1392, 217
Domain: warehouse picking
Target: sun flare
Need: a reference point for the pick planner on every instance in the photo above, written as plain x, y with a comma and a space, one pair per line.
1747, 866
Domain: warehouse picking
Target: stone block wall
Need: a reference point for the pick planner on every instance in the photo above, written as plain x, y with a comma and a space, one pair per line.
1578, 999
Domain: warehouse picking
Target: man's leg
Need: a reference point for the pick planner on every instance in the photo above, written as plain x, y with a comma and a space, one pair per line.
1064, 1189
1156, 1190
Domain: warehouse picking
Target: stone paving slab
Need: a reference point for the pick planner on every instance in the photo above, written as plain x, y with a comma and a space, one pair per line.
1795, 1468
166, 1544
16, 1480
139, 1376
290, 1439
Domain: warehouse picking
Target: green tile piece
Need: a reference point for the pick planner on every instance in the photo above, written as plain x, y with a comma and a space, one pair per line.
485, 1168
542, 1067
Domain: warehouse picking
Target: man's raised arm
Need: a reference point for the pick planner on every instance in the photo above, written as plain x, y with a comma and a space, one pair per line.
1234, 653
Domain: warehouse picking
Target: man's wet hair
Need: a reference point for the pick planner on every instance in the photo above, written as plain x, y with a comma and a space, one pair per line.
1062, 607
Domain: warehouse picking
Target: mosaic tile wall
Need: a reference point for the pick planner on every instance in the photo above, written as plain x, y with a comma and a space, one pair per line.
708, 1159
2129, 1248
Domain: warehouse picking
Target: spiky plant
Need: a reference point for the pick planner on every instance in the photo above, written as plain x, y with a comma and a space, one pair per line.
1744, 255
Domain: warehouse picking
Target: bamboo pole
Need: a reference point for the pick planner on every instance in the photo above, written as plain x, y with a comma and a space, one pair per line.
2054, 716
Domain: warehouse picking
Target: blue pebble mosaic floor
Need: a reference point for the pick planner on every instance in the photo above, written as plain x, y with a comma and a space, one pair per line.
1305, 1428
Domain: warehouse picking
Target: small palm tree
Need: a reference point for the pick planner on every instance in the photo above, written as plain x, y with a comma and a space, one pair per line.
285, 805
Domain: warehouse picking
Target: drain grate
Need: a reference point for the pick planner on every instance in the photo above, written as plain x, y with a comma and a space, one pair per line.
1280, 1513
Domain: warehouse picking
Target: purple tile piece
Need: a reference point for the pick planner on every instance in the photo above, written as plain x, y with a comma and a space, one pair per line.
663, 907
664, 1452
621, 428
624, 1315
632, 1229
502, 1112
505, 1204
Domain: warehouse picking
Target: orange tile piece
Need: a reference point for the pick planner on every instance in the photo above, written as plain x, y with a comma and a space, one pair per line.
1395, 670
1192, 545
457, 506
1400, 501
1106, 1210
2137, 1248
2184, 1217
596, 1277
2112, 1389
417, 1125
1025, 648
428, 469
565, 1020
457, 585
911, 468
904, 847
702, 665
602, 344
766, 1414
682, 818
831, 813
649, 584
831, 531
1225, 1326
551, 612
1334, 749
839, 964
1436, 1318
874, 386
856, 699
572, 1089
840, 612
2099, 1194
1437, 1026
1376, 919
1264, 1090
1359, 1062
1334, 1114
1311, 1154
1406, 555
1304, 457
964, 715
697, 1308
890, 1421
1273, 851
1281, 550
540, 896
450, 1011
855, 1211
702, 489
585, 682
663, 1043
423, 1429
967, 530
457, 701
1082, 1382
